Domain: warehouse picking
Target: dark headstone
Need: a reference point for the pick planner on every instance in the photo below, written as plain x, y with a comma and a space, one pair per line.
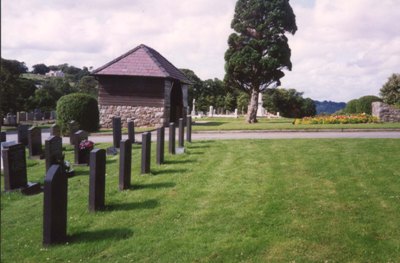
46, 115
55, 130
18, 117
189, 128
73, 127
171, 144
53, 115
23, 134
181, 133
146, 152
3, 136
125, 165
81, 156
53, 151
15, 174
160, 145
117, 132
30, 116
35, 141
97, 180
38, 116
55, 206
131, 130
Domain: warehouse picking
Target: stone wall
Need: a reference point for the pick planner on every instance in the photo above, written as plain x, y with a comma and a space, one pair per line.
385, 113
143, 116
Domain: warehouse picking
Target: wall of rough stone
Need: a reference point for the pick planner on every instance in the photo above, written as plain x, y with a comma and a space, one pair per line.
143, 116
385, 112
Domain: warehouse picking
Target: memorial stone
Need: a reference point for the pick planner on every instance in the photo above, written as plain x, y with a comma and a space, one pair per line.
53, 151
35, 141
53, 115
55, 206
181, 133
15, 173
117, 132
97, 180
23, 134
30, 116
146, 152
131, 130
125, 164
3, 136
189, 128
171, 144
46, 115
81, 157
55, 130
73, 128
160, 145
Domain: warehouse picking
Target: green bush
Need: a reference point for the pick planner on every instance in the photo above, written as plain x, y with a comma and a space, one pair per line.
79, 107
364, 104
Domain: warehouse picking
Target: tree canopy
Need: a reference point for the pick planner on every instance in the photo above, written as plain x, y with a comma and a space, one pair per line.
258, 50
390, 92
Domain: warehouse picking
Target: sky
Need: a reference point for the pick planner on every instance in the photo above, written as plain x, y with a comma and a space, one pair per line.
343, 49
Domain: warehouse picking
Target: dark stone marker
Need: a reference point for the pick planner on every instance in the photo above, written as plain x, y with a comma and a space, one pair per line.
30, 116
117, 132
125, 164
53, 151
55, 206
3, 136
38, 116
181, 133
81, 157
46, 115
73, 128
53, 115
146, 152
55, 130
15, 175
171, 145
97, 180
35, 141
160, 145
23, 134
131, 130
189, 128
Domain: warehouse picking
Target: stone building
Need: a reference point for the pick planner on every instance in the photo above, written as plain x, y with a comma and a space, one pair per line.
142, 85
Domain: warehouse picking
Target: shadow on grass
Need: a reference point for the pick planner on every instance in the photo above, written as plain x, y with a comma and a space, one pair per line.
110, 161
153, 186
95, 236
178, 161
80, 173
169, 171
208, 123
149, 204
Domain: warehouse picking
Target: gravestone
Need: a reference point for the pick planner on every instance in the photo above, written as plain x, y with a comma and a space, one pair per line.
181, 133
55, 130
18, 117
23, 134
160, 145
73, 128
53, 115
131, 130
35, 142
55, 206
146, 152
38, 116
3, 136
97, 180
53, 151
30, 116
117, 132
15, 174
81, 156
171, 143
125, 164
46, 115
189, 129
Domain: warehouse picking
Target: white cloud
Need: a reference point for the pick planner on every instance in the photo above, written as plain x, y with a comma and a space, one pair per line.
342, 50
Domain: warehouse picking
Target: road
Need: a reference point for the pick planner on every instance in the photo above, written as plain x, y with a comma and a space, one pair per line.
235, 135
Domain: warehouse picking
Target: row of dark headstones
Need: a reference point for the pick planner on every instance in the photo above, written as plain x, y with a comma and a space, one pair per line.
12, 119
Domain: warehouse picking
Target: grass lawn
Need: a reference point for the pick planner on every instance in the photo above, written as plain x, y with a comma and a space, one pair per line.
302, 200
221, 124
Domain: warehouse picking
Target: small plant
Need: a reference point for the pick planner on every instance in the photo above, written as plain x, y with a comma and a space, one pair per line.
86, 145
337, 119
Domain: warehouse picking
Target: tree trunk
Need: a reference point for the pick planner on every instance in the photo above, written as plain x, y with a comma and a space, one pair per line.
253, 106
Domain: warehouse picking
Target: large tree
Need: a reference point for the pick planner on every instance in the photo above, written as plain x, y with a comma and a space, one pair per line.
390, 92
258, 49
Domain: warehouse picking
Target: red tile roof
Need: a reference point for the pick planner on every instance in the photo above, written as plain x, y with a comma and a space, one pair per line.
141, 61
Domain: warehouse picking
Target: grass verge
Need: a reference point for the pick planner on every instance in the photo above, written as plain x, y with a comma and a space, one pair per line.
271, 201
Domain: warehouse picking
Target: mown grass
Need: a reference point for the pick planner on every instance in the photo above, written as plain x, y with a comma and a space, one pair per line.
226, 124
325, 200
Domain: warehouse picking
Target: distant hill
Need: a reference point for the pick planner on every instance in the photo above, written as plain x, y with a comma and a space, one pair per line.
328, 107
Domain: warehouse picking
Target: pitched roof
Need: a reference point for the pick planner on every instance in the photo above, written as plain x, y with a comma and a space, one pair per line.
142, 61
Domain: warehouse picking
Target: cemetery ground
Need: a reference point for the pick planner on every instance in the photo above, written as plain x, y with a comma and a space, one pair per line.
303, 200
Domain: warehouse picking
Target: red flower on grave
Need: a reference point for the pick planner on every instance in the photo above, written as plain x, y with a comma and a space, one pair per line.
86, 145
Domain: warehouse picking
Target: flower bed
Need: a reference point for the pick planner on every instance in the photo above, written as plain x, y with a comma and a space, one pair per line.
337, 119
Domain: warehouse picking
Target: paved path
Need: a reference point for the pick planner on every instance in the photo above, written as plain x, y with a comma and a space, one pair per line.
235, 135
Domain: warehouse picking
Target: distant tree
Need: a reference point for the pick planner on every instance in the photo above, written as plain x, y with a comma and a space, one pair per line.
390, 92
40, 69
242, 101
364, 104
258, 50
289, 103
88, 85
195, 88
329, 107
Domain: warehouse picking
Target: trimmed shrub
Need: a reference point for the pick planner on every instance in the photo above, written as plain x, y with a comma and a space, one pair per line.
79, 107
351, 107
364, 104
